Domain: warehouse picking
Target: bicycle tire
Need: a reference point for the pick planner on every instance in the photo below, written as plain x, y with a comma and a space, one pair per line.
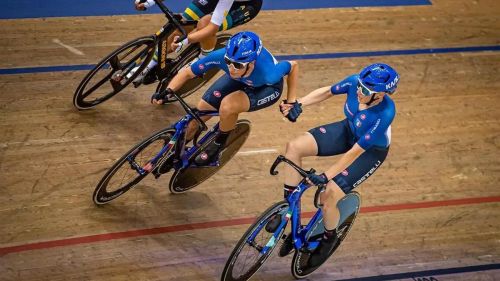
185, 179
145, 54
228, 272
101, 193
299, 266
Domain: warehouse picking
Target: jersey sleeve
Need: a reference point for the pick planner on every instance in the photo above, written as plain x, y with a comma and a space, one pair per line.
214, 59
378, 130
343, 86
281, 69
221, 11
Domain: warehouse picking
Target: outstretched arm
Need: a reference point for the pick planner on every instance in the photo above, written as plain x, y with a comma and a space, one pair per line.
313, 97
292, 81
316, 96
182, 76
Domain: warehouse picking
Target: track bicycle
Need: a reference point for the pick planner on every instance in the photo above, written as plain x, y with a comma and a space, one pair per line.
116, 71
259, 241
167, 151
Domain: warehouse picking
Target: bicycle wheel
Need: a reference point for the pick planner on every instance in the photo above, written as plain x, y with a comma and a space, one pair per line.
124, 174
246, 257
108, 77
185, 179
349, 208
188, 55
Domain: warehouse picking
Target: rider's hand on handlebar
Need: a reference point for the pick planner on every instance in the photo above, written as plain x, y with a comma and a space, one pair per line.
317, 179
178, 46
159, 98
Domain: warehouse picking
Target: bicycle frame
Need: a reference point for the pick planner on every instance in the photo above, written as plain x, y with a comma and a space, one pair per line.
162, 35
294, 212
177, 151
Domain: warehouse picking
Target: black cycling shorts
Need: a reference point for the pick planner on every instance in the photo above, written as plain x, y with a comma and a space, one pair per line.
260, 97
337, 138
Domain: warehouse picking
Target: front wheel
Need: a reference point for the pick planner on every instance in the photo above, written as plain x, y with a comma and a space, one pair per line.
255, 246
114, 73
128, 170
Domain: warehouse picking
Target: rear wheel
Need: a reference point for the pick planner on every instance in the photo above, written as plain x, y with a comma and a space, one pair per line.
348, 207
129, 169
247, 256
109, 76
184, 179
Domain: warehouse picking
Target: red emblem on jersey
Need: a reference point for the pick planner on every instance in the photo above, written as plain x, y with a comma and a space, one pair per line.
217, 94
367, 137
345, 173
323, 130
201, 66
362, 116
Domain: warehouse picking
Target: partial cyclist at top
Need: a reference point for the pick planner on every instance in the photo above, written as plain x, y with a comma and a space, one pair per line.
212, 16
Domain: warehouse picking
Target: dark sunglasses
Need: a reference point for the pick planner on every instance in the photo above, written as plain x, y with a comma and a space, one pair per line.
237, 65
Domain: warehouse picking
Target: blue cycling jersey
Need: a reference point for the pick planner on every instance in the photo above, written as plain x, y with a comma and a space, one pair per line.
267, 71
372, 126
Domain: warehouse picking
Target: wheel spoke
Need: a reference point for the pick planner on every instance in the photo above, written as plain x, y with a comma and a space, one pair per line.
115, 63
118, 64
127, 172
97, 85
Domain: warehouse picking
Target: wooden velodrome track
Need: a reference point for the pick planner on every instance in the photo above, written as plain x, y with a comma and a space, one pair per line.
432, 210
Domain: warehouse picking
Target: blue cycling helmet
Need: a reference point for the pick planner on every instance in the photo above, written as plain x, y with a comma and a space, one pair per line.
379, 77
244, 46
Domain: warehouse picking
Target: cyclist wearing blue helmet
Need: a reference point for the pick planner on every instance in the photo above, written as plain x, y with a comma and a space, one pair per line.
253, 80
363, 138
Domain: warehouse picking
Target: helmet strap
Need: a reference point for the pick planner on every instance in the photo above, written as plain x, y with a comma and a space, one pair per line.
371, 100
246, 70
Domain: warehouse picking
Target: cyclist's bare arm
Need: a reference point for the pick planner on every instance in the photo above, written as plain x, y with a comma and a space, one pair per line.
182, 76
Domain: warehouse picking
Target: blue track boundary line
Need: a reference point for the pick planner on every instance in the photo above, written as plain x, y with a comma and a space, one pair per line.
428, 273
19, 9
40, 69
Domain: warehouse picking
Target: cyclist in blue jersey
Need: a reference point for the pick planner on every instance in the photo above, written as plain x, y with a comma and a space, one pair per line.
363, 138
212, 16
253, 80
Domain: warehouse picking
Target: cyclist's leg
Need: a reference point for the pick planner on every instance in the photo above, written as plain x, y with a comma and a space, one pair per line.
317, 142
201, 11
224, 95
193, 125
302, 146
362, 168
240, 13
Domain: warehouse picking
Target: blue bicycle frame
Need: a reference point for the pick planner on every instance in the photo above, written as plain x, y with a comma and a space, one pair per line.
298, 232
293, 212
183, 154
